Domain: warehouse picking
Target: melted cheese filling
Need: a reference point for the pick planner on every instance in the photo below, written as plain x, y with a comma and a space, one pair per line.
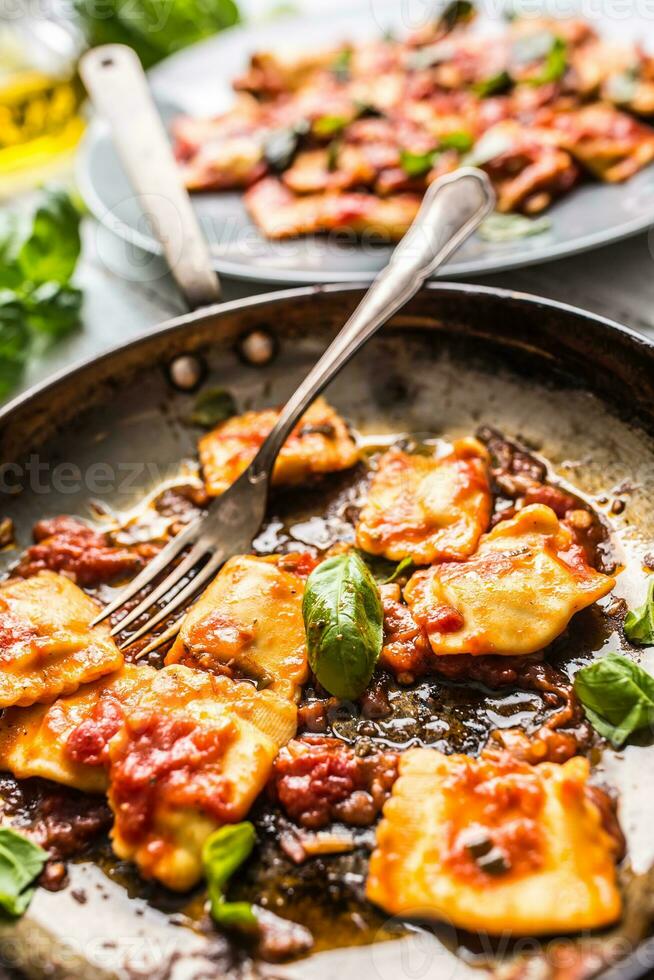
248, 619
428, 508
514, 596
558, 861
47, 644
320, 443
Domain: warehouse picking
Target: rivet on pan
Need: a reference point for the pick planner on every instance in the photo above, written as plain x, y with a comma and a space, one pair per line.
257, 347
186, 372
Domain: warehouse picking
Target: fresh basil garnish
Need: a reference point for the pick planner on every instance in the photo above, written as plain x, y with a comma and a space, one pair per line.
343, 619
213, 405
21, 862
333, 151
329, 125
417, 164
617, 695
639, 624
459, 140
403, 568
555, 65
456, 12
223, 853
508, 227
281, 145
495, 85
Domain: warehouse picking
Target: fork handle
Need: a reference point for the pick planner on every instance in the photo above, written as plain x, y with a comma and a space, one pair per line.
451, 210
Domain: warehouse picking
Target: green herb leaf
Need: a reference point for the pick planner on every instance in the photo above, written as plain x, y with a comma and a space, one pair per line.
154, 29
639, 624
223, 853
343, 619
51, 249
21, 862
333, 151
456, 12
403, 568
52, 310
461, 141
329, 125
341, 65
508, 227
14, 341
281, 145
555, 64
212, 406
417, 164
617, 695
495, 85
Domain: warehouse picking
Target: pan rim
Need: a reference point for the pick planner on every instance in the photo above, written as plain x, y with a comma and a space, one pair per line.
172, 324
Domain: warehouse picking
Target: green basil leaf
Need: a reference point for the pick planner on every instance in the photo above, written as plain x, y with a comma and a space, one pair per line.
617, 695
52, 310
507, 227
329, 125
555, 64
51, 249
15, 341
461, 141
639, 624
212, 406
281, 145
223, 853
416, 164
333, 151
403, 568
341, 65
456, 12
343, 619
495, 85
21, 862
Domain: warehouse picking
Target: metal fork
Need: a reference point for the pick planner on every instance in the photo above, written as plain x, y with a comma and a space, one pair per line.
452, 208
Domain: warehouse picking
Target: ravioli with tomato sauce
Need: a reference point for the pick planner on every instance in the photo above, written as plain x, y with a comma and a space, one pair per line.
249, 622
427, 507
495, 845
47, 644
514, 596
319, 443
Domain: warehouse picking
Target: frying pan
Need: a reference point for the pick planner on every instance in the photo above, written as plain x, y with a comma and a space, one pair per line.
103, 436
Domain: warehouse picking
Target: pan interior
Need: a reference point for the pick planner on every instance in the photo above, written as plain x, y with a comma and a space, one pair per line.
415, 382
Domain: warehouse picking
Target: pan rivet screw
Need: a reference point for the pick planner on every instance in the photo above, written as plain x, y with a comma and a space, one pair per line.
257, 347
186, 372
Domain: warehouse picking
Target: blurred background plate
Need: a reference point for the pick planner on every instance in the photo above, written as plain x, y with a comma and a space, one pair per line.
198, 81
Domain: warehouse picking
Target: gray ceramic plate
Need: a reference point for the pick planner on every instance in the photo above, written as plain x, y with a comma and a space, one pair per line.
198, 81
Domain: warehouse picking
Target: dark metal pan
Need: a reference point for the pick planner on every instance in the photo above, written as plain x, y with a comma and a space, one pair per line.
105, 434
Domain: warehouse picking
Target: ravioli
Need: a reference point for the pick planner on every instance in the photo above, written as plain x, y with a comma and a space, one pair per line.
514, 596
47, 644
495, 845
248, 620
34, 741
320, 443
177, 774
427, 508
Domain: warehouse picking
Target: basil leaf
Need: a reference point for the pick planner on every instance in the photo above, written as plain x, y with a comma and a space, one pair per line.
416, 164
329, 125
333, 151
14, 341
456, 12
51, 249
555, 65
507, 227
21, 862
223, 853
281, 145
52, 310
403, 568
639, 624
343, 619
213, 405
494, 85
460, 140
617, 695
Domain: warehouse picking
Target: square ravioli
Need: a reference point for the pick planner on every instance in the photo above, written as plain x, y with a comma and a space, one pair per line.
495, 845
514, 596
249, 620
179, 751
320, 443
427, 508
47, 644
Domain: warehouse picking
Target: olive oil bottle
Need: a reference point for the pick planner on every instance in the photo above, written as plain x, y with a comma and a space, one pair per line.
40, 101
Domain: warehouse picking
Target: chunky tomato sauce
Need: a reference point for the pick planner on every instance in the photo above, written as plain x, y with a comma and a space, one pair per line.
87, 744
64, 544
